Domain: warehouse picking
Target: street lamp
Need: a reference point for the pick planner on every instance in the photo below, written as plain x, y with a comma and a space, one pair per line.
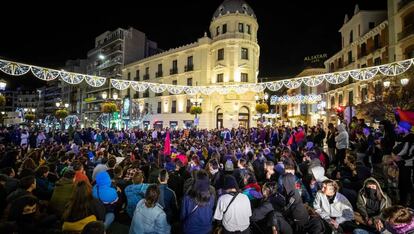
260, 98
196, 101
404, 81
101, 56
2, 84
387, 83
57, 104
66, 105
114, 98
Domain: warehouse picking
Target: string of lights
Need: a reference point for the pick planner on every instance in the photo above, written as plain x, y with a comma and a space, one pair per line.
47, 74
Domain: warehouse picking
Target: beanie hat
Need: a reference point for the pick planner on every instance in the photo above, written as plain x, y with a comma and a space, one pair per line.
229, 182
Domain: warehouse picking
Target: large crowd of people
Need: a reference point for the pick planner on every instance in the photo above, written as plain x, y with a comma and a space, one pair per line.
344, 179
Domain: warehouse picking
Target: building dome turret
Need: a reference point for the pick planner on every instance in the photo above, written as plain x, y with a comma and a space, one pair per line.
233, 6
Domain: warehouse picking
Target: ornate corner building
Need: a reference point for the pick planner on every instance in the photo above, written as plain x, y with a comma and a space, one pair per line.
230, 55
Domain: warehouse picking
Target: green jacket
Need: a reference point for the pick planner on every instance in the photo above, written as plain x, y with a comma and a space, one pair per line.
61, 195
362, 200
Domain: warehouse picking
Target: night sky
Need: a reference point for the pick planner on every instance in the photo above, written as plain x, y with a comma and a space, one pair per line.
288, 30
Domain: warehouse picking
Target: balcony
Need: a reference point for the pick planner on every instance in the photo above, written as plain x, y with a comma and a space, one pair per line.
110, 63
403, 3
158, 74
173, 71
189, 67
112, 38
407, 31
145, 77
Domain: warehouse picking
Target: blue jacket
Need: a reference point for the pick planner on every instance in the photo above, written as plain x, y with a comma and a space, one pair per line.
168, 201
149, 220
134, 193
103, 190
200, 221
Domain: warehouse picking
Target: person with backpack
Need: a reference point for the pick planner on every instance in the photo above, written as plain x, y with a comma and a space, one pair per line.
233, 208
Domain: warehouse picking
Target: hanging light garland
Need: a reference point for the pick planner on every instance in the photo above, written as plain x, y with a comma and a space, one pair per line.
46, 74
297, 99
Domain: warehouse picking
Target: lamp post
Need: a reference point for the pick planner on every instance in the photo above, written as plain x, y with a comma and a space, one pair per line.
61, 106
261, 98
114, 99
197, 100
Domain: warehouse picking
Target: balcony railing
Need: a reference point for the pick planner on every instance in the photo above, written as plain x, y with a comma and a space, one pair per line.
109, 63
406, 32
145, 77
189, 67
158, 74
403, 3
113, 37
173, 71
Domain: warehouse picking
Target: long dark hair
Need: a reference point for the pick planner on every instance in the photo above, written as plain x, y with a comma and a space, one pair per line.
151, 196
79, 204
200, 191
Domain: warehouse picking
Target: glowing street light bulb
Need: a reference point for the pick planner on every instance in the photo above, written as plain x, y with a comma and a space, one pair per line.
387, 83
404, 81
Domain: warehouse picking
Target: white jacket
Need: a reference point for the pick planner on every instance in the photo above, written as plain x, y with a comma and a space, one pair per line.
340, 209
342, 139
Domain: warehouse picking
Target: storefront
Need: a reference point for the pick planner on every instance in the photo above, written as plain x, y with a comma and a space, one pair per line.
146, 125
188, 123
158, 124
173, 124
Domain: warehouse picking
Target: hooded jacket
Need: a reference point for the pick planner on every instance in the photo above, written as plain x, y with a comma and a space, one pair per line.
295, 207
362, 199
340, 209
342, 139
103, 190
319, 173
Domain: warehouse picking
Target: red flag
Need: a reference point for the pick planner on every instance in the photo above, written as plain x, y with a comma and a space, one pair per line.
167, 144
407, 116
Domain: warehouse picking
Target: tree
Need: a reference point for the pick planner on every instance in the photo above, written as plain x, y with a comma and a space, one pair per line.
262, 108
194, 110
61, 114
109, 107
29, 117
